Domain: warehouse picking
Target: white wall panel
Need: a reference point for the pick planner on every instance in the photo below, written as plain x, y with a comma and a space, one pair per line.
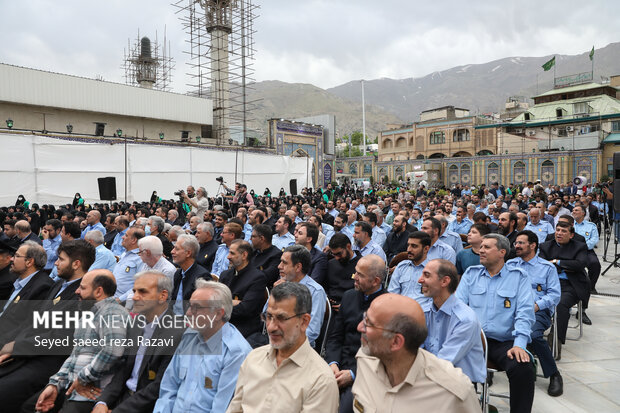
48, 170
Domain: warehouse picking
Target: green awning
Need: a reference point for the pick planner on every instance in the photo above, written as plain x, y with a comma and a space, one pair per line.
612, 138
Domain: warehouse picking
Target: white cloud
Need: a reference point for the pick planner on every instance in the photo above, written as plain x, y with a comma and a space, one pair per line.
322, 42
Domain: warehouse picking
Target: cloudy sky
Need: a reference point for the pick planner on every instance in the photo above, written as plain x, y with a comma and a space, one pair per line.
323, 42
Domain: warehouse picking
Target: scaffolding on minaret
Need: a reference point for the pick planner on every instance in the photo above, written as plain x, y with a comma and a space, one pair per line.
148, 64
221, 50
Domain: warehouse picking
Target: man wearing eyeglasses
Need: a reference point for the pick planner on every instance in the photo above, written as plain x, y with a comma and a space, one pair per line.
394, 374
31, 284
546, 288
287, 375
202, 374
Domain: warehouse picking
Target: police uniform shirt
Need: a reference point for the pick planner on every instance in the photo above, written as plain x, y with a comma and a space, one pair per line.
542, 229
404, 281
371, 248
589, 231
504, 303
441, 250
124, 272
281, 242
544, 280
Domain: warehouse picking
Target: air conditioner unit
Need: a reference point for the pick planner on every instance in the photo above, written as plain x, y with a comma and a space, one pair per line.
569, 129
532, 133
518, 130
555, 129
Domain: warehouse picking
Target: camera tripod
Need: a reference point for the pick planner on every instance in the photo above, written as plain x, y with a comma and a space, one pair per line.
221, 192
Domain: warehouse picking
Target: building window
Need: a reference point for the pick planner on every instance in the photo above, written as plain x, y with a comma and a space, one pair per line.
581, 108
562, 132
527, 116
559, 112
460, 135
615, 126
437, 138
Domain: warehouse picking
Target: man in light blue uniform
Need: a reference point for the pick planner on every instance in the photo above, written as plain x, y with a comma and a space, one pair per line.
405, 277
202, 374
461, 224
453, 328
547, 291
294, 265
283, 238
51, 241
438, 248
381, 222
501, 296
448, 237
93, 219
363, 241
538, 226
128, 263
378, 235
104, 258
122, 225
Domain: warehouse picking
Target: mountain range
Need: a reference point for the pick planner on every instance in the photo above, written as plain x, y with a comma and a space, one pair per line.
481, 88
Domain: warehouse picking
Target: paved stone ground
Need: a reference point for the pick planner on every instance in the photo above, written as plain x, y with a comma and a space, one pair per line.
591, 366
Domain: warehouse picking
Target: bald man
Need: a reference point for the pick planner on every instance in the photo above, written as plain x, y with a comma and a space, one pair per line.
93, 221
392, 331
90, 370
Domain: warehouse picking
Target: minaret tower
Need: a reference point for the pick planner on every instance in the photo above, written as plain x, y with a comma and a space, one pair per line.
219, 26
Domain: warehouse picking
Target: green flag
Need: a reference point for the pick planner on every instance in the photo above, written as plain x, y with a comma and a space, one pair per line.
592, 53
549, 64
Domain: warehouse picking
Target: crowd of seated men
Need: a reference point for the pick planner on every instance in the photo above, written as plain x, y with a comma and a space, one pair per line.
333, 300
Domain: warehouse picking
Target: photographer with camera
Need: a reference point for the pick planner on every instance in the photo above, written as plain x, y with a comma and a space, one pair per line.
198, 204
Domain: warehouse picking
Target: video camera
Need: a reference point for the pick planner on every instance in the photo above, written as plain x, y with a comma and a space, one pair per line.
220, 179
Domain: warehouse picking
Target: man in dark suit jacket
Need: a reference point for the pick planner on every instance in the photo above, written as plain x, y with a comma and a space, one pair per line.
569, 257
31, 284
208, 247
396, 240
111, 231
340, 269
7, 278
31, 368
24, 232
343, 339
247, 285
266, 257
137, 391
184, 255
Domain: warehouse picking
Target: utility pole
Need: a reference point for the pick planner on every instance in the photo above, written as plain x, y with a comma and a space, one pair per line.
363, 119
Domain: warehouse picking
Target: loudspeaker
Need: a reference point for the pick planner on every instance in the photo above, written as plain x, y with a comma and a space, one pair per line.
293, 187
617, 182
107, 188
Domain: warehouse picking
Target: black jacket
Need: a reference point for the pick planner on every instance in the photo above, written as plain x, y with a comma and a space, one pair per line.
167, 245
248, 286
193, 273
156, 359
7, 278
19, 312
395, 243
572, 257
318, 266
340, 277
343, 340
206, 255
108, 238
267, 261
32, 237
